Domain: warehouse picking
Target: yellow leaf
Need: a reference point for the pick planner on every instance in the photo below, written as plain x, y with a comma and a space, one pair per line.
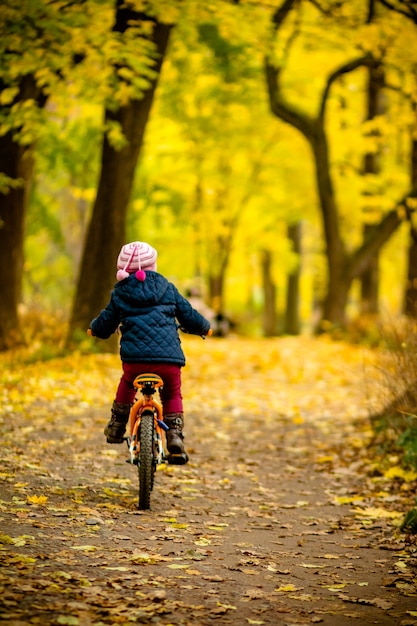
286, 588
378, 513
226, 606
179, 526
37, 499
204, 541
399, 472
68, 620
144, 557
22, 540
23, 559
85, 548
347, 499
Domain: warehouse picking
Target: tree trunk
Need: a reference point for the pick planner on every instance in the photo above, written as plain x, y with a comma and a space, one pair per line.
106, 231
342, 267
410, 301
410, 298
216, 288
269, 289
292, 313
337, 280
371, 165
16, 162
370, 280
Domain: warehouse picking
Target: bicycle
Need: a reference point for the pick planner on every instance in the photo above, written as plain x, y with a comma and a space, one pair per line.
146, 441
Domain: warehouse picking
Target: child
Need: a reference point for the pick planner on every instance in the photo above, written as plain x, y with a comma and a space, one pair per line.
145, 306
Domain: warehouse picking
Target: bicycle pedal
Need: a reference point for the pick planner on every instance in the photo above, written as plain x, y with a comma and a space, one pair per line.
177, 459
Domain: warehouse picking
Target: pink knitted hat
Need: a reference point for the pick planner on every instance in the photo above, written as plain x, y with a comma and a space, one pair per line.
134, 258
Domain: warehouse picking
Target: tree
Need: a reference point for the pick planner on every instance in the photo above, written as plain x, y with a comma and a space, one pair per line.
16, 165
410, 298
292, 313
36, 48
127, 114
343, 265
371, 166
270, 300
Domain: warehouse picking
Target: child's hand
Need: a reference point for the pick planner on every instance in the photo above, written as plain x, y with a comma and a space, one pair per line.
209, 332
90, 332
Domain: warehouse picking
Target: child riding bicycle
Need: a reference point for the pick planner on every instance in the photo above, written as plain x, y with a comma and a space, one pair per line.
145, 306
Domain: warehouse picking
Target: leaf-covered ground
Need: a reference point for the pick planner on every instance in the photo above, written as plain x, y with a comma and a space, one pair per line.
281, 517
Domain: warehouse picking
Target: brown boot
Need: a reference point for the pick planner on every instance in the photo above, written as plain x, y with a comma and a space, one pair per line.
116, 427
175, 423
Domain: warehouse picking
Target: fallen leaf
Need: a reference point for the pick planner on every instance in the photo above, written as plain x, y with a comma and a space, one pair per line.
286, 588
68, 620
37, 499
378, 513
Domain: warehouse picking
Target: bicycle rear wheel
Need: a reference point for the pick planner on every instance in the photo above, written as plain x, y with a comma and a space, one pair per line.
146, 466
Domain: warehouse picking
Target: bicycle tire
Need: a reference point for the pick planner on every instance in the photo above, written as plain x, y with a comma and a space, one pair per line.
146, 467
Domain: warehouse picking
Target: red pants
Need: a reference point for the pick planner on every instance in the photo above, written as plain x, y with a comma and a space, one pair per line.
171, 397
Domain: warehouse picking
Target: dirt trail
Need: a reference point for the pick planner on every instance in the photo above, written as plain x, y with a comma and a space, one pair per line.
276, 519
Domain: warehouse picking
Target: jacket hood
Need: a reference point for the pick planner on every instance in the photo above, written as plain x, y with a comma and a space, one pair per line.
136, 293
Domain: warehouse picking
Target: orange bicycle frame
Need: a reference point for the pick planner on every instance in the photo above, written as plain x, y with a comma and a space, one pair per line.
146, 402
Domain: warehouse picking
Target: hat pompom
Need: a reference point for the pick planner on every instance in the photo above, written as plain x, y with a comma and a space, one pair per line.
122, 274
140, 275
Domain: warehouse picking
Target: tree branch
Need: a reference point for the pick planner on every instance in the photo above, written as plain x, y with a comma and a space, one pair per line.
283, 110
410, 13
282, 12
363, 61
279, 107
380, 235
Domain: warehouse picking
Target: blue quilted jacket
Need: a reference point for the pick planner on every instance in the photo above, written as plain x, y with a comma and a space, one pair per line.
146, 312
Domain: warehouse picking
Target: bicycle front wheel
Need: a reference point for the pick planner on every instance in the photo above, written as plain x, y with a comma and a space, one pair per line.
146, 465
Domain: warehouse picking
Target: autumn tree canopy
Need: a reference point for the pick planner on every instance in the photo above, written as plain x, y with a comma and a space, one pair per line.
210, 131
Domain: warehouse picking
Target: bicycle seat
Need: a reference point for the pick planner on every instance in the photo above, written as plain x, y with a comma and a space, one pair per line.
149, 380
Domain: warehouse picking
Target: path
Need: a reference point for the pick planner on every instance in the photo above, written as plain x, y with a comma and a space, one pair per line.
274, 521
